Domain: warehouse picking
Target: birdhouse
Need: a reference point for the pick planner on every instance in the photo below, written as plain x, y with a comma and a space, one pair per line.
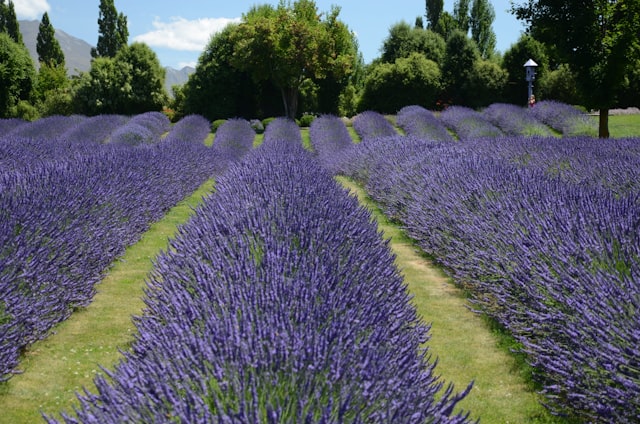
530, 68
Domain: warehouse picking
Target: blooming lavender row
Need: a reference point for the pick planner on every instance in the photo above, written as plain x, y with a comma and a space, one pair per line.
234, 139
53, 126
329, 139
417, 121
190, 129
515, 120
144, 128
10, 124
283, 129
63, 221
372, 124
277, 302
554, 261
93, 130
468, 124
614, 165
564, 118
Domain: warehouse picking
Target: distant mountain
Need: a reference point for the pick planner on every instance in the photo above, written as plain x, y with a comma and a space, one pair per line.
176, 77
77, 54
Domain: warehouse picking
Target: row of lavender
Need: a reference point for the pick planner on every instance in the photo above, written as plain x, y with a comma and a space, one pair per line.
277, 302
68, 208
497, 120
545, 233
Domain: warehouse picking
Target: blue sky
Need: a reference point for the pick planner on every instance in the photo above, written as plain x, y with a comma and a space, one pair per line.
178, 30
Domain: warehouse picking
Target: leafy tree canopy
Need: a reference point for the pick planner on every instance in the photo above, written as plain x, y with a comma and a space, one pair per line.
414, 80
598, 39
404, 40
290, 43
17, 74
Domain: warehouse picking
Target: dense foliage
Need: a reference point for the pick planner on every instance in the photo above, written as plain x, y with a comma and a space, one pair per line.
544, 234
277, 302
71, 202
17, 75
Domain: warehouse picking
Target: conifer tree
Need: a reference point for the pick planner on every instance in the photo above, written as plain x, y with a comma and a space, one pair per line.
9, 22
481, 20
112, 29
48, 48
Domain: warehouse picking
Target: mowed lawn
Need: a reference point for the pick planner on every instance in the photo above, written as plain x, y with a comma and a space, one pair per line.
467, 347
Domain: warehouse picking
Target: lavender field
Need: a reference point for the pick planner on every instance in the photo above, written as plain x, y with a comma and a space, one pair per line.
280, 283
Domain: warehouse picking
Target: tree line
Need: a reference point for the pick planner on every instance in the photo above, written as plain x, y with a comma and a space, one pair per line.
292, 59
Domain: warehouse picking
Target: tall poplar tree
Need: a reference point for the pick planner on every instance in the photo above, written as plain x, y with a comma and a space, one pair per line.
112, 29
48, 48
434, 10
9, 22
461, 14
481, 21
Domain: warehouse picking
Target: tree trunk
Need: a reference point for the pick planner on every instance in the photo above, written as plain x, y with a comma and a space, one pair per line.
603, 126
290, 100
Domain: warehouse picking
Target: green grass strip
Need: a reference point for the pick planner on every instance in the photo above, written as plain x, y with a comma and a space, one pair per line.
68, 360
466, 347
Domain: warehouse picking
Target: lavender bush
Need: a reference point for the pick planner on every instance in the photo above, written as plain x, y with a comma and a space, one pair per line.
283, 129
417, 121
553, 257
468, 124
64, 218
190, 129
93, 130
515, 120
329, 139
234, 139
277, 302
372, 124
564, 118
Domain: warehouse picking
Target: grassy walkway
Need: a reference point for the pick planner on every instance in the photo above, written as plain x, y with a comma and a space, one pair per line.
61, 365
464, 345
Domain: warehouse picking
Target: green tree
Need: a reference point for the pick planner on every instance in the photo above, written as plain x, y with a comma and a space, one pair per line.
130, 83
481, 21
17, 75
9, 21
598, 39
434, 10
457, 69
53, 91
218, 90
287, 45
404, 40
461, 15
142, 87
113, 33
414, 80
486, 84
513, 61
48, 48
560, 84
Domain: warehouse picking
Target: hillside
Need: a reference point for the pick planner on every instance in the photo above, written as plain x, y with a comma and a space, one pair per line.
77, 54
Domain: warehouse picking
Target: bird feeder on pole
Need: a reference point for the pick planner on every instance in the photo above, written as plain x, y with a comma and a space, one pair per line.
530, 68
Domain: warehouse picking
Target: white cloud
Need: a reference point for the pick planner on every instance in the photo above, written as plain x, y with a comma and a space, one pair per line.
31, 9
183, 34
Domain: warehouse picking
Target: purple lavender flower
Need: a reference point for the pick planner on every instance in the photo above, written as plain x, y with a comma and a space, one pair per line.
277, 302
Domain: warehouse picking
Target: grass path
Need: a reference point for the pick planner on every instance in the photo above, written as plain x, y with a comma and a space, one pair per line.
61, 365
461, 340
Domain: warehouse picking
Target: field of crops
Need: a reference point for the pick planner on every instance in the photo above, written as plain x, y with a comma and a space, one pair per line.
280, 283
